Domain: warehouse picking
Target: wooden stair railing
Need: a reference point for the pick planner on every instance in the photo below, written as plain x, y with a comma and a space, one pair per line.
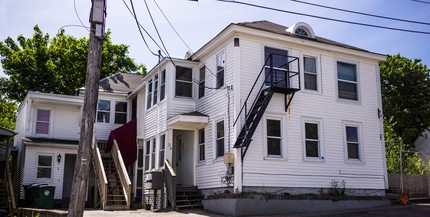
101, 179
170, 179
122, 171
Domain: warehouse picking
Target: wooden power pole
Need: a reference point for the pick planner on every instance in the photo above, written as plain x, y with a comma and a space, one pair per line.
83, 161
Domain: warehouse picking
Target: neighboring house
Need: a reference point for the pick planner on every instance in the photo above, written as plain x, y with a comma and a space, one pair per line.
315, 120
49, 129
422, 146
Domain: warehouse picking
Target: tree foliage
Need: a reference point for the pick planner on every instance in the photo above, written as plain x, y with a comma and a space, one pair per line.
405, 88
56, 65
7, 113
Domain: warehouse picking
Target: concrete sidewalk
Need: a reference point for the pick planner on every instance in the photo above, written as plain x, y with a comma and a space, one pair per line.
142, 212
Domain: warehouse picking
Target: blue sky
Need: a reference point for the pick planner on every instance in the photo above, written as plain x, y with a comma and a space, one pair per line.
198, 22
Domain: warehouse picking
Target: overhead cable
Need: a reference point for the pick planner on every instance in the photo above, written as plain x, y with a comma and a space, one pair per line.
325, 18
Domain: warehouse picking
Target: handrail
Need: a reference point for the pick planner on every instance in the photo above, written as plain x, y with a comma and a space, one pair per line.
122, 171
271, 67
170, 177
101, 175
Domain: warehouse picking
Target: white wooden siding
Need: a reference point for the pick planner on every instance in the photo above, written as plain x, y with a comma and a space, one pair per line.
103, 129
30, 167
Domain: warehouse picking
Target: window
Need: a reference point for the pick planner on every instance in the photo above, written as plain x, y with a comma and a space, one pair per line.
274, 139
42, 122
153, 153
44, 166
202, 82
201, 144
162, 84
310, 73
155, 90
147, 154
220, 64
184, 84
352, 142
162, 148
103, 111
120, 112
302, 32
347, 81
139, 176
276, 66
149, 95
312, 140
220, 139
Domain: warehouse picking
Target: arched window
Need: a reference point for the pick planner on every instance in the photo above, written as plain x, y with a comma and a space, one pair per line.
302, 32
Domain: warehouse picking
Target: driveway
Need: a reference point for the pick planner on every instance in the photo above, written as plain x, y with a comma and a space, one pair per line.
414, 210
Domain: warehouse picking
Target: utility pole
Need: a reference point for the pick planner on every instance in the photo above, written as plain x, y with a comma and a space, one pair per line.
83, 161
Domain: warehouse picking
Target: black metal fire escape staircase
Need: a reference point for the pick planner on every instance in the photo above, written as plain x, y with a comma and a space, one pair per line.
278, 79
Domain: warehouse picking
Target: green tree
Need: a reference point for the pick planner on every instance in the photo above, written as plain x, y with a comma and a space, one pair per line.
7, 113
56, 65
405, 88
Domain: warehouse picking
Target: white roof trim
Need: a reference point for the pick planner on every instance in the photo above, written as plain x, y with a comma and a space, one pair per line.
303, 25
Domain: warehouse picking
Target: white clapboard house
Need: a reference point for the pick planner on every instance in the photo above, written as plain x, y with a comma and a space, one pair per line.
264, 108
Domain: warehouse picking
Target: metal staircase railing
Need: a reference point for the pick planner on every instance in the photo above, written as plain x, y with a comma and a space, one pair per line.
279, 79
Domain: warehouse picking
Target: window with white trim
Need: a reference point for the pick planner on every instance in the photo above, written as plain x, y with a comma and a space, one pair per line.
43, 121
149, 94
220, 65
162, 84
274, 138
120, 112
312, 140
353, 143
162, 150
155, 92
310, 73
103, 111
140, 169
202, 82
347, 81
147, 154
184, 84
220, 139
154, 142
201, 145
44, 166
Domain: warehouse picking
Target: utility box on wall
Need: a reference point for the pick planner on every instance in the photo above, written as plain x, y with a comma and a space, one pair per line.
154, 180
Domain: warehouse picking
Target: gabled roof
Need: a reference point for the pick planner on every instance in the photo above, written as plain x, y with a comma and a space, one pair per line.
6, 133
121, 82
280, 29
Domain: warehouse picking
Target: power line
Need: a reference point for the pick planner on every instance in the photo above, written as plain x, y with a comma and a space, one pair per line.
139, 26
325, 18
156, 29
361, 13
425, 2
77, 15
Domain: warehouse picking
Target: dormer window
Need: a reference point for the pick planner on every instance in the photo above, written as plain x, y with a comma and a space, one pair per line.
301, 32
302, 29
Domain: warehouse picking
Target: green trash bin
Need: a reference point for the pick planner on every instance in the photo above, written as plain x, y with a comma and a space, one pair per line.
45, 197
31, 192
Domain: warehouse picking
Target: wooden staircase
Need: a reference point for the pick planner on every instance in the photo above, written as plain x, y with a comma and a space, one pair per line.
188, 198
115, 195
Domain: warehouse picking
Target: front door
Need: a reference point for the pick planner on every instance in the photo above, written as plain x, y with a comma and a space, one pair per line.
184, 157
69, 168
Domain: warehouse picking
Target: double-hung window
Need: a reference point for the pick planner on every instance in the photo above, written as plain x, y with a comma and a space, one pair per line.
276, 67
162, 85
201, 144
42, 121
139, 176
162, 148
352, 137
120, 112
347, 81
154, 141
184, 84
44, 166
103, 111
310, 73
312, 140
220, 139
149, 95
220, 65
274, 138
155, 97
147, 154
202, 82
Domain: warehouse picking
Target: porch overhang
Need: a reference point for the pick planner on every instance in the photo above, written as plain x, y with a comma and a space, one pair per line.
55, 143
188, 121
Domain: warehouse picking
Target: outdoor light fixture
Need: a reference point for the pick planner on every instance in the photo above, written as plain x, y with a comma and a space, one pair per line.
59, 158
